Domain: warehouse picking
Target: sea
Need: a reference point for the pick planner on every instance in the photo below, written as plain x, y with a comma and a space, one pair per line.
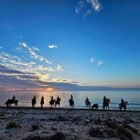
96, 97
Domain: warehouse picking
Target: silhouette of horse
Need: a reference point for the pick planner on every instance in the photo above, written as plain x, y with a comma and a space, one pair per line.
123, 105
52, 102
33, 101
71, 102
88, 103
57, 102
11, 101
95, 106
106, 104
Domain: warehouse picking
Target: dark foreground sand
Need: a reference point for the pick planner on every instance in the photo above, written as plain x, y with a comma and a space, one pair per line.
66, 124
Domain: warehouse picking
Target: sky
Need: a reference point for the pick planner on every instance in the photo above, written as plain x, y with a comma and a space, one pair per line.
69, 43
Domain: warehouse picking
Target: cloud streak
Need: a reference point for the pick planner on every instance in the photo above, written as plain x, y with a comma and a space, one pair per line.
95, 5
33, 54
96, 61
52, 46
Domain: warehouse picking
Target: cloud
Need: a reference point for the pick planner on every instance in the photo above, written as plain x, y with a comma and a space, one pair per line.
87, 7
59, 68
92, 59
52, 46
35, 48
99, 63
33, 53
95, 5
79, 7
1, 47
96, 61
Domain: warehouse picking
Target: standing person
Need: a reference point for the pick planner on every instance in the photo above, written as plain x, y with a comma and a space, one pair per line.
42, 101
33, 101
104, 102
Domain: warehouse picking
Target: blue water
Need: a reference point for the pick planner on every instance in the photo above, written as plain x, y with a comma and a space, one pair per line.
133, 98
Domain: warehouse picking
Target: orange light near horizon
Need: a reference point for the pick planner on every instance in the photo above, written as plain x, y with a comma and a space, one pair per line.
50, 89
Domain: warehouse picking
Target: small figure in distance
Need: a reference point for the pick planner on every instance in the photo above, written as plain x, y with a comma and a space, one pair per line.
33, 101
9, 102
13, 98
71, 101
123, 104
87, 102
104, 102
42, 102
57, 102
51, 102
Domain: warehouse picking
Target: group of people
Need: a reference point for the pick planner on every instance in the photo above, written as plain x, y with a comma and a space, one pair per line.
51, 102
56, 102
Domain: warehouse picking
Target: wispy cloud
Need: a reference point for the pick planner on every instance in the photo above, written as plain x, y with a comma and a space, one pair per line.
87, 7
1, 47
79, 7
96, 61
52, 46
99, 63
95, 5
33, 53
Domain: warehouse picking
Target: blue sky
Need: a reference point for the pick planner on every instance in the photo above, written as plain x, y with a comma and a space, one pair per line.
83, 42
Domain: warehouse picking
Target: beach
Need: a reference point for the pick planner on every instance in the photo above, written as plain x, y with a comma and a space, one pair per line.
68, 124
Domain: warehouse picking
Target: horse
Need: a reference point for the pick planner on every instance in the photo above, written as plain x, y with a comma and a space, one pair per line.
106, 104
88, 103
123, 106
95, 106
71, 102
57, 102
11, 101
52, 102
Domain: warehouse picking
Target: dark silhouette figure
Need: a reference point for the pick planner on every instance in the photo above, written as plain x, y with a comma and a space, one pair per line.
52, 101
57, 102
71, 101
33, 101
95, 106
42, 102
123, 104
13, 97
106, 102
11, 101
87, 102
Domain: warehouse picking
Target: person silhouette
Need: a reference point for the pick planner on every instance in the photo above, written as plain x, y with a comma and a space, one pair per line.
42, 101
13, 97
122, 102
71, 97
33, 101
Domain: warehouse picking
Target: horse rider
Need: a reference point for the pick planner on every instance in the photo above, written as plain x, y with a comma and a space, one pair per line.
87, 100
71, 97
51, 98
58, 99
13, 97
122, 102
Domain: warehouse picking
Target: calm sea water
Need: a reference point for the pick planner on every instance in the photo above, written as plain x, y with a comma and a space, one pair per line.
133, 98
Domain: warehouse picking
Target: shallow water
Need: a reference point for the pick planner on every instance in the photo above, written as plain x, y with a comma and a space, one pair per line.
133, 98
